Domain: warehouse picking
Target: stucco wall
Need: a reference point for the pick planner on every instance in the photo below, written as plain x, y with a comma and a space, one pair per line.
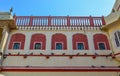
111, 32
58, 61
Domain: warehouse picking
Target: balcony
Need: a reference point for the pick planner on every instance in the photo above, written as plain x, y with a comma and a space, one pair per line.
59, 21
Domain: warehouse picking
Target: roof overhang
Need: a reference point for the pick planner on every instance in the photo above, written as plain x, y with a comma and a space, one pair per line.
113, 24
7, 22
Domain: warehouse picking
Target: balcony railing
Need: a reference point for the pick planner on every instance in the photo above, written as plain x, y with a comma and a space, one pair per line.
59, 21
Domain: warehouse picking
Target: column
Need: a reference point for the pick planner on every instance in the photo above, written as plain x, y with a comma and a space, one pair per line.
4, 38
3, 42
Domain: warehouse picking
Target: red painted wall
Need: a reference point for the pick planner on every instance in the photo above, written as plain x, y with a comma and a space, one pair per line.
59, 38
79, 38
101, 38
18, 37
38, 38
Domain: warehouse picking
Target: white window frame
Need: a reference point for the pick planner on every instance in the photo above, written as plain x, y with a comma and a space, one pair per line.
77, 46
117, 38
14, 43
103, 43
34, 46
56, 44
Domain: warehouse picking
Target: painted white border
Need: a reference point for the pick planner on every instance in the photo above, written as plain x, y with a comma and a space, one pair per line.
34, 45
112, 37
103, 43
77, 46
14, 43
117, 37
59, 42
58, 28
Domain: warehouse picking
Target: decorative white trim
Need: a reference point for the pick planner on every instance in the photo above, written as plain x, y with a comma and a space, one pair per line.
117, 38
57, 28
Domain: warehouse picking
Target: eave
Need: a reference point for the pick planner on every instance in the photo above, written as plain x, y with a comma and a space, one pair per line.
111, 21
7, 22
111, 25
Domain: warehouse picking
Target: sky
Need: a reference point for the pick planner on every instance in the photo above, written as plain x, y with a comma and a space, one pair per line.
58, 7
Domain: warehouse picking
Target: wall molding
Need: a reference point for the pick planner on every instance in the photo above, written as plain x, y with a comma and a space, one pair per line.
57, 28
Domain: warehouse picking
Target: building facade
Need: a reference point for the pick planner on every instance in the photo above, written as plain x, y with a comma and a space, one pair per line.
60, 45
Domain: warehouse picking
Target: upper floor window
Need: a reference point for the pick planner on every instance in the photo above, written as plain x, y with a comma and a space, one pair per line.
59, 46
16, 46
101, 46
117, 38
80, 46
59, 42
101, 42
17, 41
37, 46
80, 42
38, 41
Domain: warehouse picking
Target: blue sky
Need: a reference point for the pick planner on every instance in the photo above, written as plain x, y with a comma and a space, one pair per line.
58, 7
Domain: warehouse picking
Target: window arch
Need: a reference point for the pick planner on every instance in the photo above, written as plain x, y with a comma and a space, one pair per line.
117, 38
17, 41
80, 42
59, 42
38, 41
101, 42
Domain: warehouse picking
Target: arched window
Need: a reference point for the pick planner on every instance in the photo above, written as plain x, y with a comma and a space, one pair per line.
17, 41
101, 42
80, 42
59, 42
38, 41
117, 38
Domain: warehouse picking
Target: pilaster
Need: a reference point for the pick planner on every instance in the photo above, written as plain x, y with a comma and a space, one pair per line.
90, 40
48, 42
69, 43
